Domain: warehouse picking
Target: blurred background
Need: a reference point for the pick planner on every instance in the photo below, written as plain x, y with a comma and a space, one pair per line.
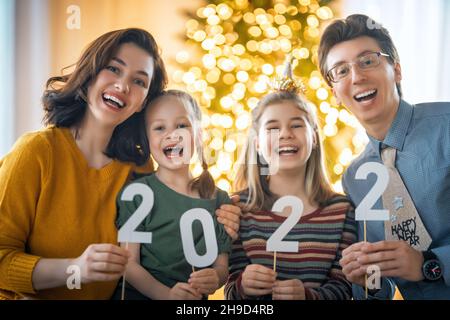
222, 52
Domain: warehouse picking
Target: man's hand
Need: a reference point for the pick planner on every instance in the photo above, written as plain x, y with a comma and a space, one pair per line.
394, 258
229, 215
292, 289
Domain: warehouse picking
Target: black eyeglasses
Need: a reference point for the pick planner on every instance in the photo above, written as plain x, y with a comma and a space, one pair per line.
366, 61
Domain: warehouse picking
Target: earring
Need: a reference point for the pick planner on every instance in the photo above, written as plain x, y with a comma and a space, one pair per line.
139, 149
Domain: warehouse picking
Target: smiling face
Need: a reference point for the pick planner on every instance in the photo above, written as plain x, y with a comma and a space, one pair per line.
120, 88
285, 137
370, 94
170, 133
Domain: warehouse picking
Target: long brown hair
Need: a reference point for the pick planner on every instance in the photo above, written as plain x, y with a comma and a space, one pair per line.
204, 183
250, 179
65, 97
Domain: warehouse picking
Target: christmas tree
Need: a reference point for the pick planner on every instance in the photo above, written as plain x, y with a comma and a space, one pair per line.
235, 49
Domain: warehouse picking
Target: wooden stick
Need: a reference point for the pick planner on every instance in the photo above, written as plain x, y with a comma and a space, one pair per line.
275, 261
123, 278
365, 277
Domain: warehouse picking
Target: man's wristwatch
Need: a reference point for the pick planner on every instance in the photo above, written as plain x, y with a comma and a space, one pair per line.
431, 268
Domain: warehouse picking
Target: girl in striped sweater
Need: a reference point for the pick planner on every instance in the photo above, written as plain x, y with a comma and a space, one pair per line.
326, 227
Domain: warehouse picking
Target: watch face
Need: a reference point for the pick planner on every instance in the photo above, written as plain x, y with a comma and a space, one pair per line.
432, 270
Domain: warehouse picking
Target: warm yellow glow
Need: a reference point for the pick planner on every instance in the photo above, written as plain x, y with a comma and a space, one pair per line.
224, 185
213, 19
226, 121
224, 11
199, 35
314, 83
208, 44
279, 19
216, 144
197, 170
237, 109
213, 75
262, 19
324, 13
243, 121
245, 64
215, 172
238, 49
252, 102
330, 130
324, 107
226, 102
271, 32
224, 162
192, 24
322, 94
209, 61
226, 64
230, 145
208, 11
285, 45
345, 157
228, 79
206, 121
249, 18
182, 56
312, 21
337, 186
219, 39
338, 169
285, 30
254, 31
280, 8
188, 78
292, 10
177, 76
242, 76
267, 69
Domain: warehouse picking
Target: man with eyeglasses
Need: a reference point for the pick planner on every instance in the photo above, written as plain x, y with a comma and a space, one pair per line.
362, 66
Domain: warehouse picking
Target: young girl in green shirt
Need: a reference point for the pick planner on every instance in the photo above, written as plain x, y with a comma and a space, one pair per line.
159, 270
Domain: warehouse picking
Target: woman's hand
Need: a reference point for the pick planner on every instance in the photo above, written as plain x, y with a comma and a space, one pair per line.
102, 262
229, 215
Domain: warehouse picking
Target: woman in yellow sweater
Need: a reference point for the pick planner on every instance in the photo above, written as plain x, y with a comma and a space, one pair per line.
58, 185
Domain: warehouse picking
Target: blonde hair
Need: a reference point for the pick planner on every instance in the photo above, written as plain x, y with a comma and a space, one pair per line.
249, 178
204, 183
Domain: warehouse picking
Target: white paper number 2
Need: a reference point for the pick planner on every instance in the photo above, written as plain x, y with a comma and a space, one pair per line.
275, 242
128, 231
365, 209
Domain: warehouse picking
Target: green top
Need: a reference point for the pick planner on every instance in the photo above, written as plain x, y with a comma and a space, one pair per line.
164, 257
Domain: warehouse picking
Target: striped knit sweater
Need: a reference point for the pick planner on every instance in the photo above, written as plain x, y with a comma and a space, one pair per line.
322, 236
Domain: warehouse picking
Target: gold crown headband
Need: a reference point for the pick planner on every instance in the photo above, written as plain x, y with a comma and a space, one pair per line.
287, 82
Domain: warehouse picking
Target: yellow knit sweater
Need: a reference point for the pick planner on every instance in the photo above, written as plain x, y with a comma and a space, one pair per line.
53, 205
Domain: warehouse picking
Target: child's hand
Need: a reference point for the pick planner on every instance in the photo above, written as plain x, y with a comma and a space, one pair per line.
292, 289
184, 291
257, 280
206, 281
